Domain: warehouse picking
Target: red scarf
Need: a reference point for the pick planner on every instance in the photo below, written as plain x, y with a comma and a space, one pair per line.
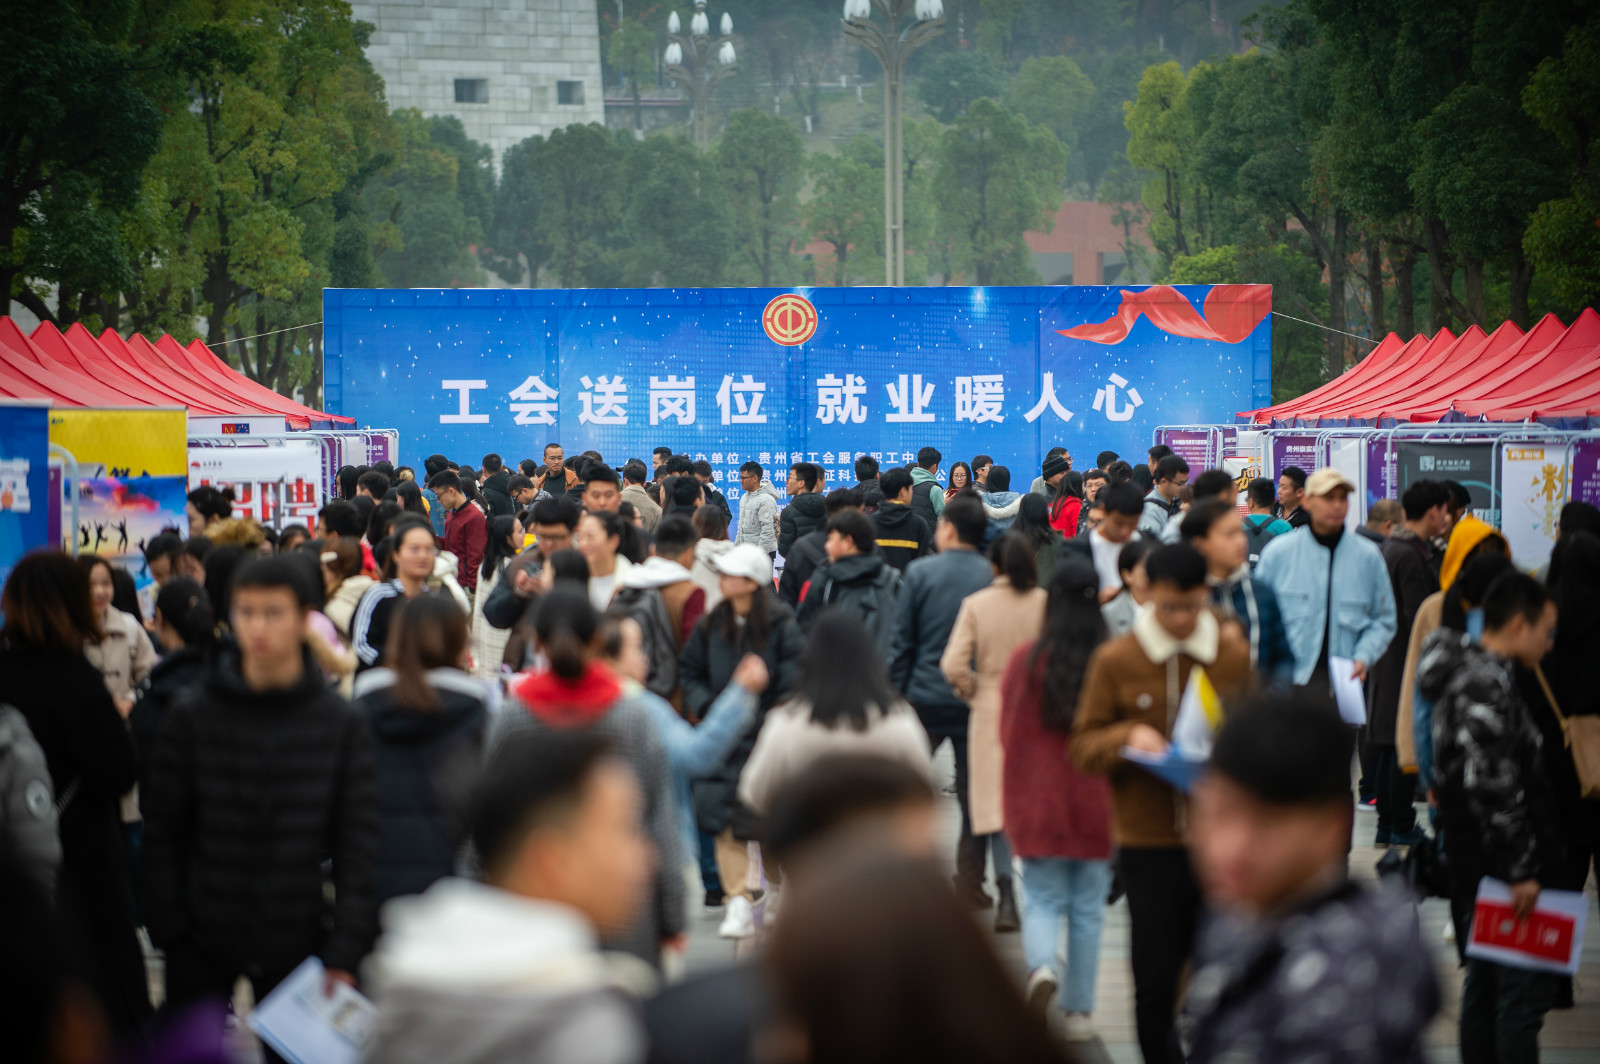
561, 702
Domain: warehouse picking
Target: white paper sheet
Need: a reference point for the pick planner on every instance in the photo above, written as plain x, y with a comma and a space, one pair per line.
1549, 940
1348, 693
306, 1026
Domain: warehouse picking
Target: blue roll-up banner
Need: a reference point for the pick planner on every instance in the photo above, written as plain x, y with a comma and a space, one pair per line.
785, 375
24, 480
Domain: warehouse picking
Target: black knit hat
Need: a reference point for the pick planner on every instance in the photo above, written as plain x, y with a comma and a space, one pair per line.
1055, 464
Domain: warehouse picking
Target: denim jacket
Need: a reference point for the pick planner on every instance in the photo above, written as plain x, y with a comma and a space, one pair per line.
1295, 566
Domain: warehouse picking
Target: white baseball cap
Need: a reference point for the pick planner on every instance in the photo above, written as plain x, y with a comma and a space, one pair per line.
744, 559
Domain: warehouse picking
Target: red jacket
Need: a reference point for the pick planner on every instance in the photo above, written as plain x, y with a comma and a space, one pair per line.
465, 532
1065, 519
1051, 809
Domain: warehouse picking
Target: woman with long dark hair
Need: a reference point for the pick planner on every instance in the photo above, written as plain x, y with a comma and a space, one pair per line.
989, 627
599, 536
428, 717
1033, 524
1057, 819
501, 544
577, 690
1067, 503
49, 619
410, 570
842, 704
960, 478
123, 654
748, 620
712, 524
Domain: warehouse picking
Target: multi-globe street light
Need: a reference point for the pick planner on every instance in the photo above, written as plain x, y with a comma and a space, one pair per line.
893, 46
697, 64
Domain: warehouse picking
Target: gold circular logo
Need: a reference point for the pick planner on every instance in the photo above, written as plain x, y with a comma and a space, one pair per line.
789, 320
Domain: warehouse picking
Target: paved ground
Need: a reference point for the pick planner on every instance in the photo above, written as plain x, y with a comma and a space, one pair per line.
1569, 1037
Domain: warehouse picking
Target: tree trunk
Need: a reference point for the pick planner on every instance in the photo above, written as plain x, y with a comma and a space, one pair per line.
1338, 274
314, 385
1521, 271
1375, 287
1405, 295
66, 305
1441, 274
39, 308
638, 107
1472, 274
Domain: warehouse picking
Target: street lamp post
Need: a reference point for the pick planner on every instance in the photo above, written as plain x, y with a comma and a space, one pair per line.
893, 46
697, 64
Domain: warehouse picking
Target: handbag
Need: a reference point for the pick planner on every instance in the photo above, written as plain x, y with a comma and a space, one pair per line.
1582, 736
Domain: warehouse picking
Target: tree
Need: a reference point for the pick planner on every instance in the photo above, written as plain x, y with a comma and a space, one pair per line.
581, 206
1161, 140
1054, 93
437, 196
1563, 96
762, 162
998, 179
284, 114
949, 84
846, 212
676, 222
517, 247
631, 52
79, 119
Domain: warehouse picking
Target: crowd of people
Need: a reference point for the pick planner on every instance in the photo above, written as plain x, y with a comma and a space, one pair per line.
483, 739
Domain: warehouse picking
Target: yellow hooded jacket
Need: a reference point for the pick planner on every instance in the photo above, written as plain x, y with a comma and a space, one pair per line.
1468, 533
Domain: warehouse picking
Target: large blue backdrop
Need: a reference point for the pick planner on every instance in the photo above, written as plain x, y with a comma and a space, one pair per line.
887, 371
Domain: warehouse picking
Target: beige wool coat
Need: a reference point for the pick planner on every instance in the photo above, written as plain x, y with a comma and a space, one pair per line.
991, 624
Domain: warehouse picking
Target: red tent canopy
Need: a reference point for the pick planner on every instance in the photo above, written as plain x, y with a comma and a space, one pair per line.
1551, 371
76, 368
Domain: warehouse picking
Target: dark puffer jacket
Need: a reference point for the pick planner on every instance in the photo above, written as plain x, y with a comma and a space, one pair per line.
705, 669
806, 514
423, 760
926, 615
497, 493
864, 585
173, 676
250, 792
903, 536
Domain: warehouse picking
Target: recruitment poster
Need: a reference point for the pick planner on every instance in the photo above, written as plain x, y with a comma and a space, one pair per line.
24, 480
1533, 488
788, 375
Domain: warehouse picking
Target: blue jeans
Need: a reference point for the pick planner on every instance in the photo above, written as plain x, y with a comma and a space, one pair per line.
1057, 887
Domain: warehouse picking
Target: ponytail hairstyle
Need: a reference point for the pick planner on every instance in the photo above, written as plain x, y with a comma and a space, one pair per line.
1012, 557
1073, 628
428, 632
211, 504
629, 543
184, 605
342, 558
565, 623
495, 548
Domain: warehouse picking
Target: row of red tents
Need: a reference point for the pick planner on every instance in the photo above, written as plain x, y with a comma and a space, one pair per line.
77, 368
1549, 374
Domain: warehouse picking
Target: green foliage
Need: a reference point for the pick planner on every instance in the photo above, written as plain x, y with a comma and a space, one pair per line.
997, 179
1055, 93
436, 198
950, 84
676, 221
581, 206
846, 212
631, 52
762, 164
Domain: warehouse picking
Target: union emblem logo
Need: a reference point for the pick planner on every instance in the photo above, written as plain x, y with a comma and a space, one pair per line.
789, 320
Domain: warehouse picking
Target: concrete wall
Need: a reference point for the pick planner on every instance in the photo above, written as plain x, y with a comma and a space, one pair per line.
520, 49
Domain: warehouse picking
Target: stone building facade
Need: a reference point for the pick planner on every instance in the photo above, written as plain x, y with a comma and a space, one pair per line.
509, 69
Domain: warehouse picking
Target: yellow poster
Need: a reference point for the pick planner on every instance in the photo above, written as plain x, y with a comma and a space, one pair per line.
124, 443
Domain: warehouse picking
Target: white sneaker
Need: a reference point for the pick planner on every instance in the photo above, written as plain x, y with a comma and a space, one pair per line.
740, 921
1449, 931
1041, 991
769, 910
1077, 1028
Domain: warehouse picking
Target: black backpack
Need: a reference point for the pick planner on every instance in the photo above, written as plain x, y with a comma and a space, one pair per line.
1257, 537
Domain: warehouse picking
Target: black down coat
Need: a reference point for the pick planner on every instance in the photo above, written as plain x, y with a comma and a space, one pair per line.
425, 761
705, 670
250, 793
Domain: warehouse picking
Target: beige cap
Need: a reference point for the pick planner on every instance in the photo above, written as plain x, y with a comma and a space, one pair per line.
1326, 481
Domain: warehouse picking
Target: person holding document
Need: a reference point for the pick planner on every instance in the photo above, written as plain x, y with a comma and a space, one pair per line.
1130, 697
1496, 805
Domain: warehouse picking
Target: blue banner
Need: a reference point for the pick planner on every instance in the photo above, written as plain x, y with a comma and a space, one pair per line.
779, 376
24, 481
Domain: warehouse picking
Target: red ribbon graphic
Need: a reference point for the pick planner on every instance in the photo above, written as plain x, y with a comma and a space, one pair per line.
1232, 312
